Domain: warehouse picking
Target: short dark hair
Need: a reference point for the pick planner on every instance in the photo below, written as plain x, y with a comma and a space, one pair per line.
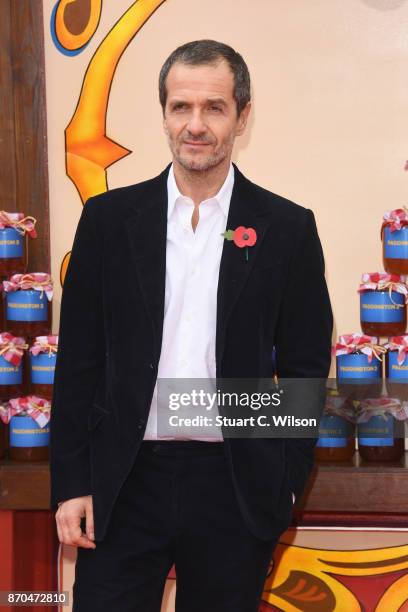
201, 52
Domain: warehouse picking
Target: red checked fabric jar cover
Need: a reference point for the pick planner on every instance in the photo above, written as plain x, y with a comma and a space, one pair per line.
394, 234
29, 428
383, 304
43, 355
358, 366
14, 228
28, 304
13, 371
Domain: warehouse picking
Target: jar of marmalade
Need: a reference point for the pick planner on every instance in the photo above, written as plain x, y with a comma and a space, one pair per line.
396, 367
43, 355
358, 366
13, 376
394, 234
14, 228
381, 429
28, 304
336, 431
29, 428
383, 304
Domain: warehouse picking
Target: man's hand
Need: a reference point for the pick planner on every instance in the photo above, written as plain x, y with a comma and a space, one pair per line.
68, 518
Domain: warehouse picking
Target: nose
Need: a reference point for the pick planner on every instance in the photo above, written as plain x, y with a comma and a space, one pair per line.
196, 126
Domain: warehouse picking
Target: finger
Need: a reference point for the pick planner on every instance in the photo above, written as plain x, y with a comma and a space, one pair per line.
84, 542
75, 535
89, 522
74, 527
64, 529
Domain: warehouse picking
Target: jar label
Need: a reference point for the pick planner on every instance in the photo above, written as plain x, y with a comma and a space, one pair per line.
376, 307
26, 305
42, 367
396, 243
333, 432
394, 369
10, 374
24, 432
357, 366
382, 426
11, 243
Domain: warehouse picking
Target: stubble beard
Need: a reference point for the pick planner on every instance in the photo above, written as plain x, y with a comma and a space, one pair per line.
204, 165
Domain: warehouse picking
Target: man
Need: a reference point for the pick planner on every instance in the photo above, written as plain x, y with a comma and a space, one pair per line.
153, 291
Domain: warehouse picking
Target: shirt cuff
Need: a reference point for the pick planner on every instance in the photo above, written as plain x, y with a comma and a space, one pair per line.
293, 498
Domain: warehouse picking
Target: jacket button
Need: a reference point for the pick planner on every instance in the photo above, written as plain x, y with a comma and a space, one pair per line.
140, 423
151, 365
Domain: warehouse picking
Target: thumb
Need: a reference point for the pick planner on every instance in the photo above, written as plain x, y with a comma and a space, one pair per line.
89, 520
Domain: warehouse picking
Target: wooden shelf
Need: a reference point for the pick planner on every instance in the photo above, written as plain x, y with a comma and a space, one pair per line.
357, 487
24, 486
353, 492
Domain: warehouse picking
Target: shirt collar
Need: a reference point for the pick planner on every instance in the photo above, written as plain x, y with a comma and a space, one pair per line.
223, 197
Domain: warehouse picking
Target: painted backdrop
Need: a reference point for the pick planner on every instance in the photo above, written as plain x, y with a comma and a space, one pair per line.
328, 130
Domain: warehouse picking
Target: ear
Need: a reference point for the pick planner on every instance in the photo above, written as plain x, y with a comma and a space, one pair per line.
242, 120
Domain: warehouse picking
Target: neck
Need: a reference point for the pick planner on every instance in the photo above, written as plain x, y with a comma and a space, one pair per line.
200, 185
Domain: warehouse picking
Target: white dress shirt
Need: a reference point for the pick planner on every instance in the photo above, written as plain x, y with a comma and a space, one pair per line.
190, 311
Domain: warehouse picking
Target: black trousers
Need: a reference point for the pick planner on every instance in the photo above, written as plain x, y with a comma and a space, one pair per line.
177, 506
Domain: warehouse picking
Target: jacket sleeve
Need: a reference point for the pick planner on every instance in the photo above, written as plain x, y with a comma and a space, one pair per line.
303, 338
80, 361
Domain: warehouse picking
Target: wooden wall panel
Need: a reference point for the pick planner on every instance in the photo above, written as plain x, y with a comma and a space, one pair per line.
28, 543
7, 141
23, 154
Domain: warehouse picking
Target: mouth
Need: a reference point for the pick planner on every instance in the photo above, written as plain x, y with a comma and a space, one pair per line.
196, 144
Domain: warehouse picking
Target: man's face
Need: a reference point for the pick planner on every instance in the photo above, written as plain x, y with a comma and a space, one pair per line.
200, 117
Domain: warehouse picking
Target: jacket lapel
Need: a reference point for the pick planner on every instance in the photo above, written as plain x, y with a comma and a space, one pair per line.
245, 209
146, 232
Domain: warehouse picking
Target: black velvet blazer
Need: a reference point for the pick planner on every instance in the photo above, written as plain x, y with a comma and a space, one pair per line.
110, 338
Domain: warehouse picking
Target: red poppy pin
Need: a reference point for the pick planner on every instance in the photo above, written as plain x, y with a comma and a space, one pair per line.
242, 237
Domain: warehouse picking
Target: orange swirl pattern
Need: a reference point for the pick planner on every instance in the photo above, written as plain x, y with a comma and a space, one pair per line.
75, 22
89, 151
316, 580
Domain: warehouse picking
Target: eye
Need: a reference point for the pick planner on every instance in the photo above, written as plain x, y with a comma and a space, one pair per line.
179, 106
214, 108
